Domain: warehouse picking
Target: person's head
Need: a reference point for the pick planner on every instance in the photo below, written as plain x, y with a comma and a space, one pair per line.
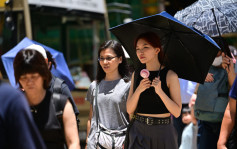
51, 60
111, 58
222, 43
218, 60
148, 46
186, 115
29, 66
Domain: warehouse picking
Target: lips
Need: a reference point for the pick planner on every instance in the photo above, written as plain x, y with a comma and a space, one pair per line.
106, 67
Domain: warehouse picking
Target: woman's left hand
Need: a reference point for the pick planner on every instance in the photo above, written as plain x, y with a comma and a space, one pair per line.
156, 83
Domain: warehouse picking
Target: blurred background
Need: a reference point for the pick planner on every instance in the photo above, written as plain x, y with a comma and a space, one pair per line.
76, 28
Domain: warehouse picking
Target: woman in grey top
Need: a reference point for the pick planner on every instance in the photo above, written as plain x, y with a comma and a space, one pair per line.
113, 85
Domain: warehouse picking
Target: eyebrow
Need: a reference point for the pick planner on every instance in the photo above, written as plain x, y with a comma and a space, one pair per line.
143, 45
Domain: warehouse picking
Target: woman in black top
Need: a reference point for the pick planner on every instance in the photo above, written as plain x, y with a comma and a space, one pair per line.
33, 75
155, 98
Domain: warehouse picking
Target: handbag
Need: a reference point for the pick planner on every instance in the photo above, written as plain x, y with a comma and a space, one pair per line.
107, 138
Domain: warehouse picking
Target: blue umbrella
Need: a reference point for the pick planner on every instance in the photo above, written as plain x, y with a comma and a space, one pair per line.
188, 52
61, 71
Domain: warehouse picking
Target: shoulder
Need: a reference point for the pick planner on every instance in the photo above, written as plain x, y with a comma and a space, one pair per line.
171, 74
125, 82
125, 85
92, 85
171, 77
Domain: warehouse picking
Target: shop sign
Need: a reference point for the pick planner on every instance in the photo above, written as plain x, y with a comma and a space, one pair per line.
96, 6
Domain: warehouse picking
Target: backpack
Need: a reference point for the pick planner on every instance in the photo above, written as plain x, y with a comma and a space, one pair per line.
59, 101
212, 97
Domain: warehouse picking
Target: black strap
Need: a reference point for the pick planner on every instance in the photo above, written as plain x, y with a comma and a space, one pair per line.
57, 85
59, 102
57, 89
96, 106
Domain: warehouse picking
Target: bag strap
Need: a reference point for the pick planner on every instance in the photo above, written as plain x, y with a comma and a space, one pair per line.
57, 89
59, 102
96, 106
57, 85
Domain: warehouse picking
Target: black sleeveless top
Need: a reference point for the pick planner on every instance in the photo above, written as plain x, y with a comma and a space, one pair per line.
150, 102
48, 124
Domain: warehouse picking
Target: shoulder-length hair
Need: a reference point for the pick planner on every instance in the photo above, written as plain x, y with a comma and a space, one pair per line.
154, 41
31, 61
118, 50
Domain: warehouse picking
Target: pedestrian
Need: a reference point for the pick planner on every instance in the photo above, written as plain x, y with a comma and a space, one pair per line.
228, 132
155, 98
211, 102
51, 63
17, 127
107, 96
58, 128
189, 135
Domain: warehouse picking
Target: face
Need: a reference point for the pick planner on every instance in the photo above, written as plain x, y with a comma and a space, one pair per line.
186, 118
31, 82
145, 52
218, 60
109, 61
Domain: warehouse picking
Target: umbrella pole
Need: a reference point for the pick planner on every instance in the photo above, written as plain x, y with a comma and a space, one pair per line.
222, 43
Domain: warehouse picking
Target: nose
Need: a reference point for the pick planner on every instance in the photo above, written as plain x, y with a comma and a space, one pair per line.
29, 80
140, 51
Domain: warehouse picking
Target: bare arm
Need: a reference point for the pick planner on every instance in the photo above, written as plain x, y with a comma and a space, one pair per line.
134, 96
227, 124
70, 127
173, 104
89, 124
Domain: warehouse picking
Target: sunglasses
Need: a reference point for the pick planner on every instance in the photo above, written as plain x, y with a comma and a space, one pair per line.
107, 58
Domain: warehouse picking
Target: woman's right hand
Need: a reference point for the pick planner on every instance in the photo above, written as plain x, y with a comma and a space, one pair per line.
227, 63
144, 84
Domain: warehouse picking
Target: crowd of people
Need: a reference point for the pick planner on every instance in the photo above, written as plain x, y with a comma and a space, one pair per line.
155, 110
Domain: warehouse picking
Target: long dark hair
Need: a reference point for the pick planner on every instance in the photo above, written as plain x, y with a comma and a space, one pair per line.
154, 41
31, 61
118, 50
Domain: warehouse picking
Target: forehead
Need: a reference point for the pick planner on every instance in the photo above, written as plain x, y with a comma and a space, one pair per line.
29, 74
142, 42
107, 51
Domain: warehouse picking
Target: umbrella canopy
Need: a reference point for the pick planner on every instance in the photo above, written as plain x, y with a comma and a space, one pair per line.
190, 53
61, 71
209, 16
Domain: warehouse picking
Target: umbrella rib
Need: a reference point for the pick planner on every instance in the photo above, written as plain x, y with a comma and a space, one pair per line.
225, 17
168, 30
186, 50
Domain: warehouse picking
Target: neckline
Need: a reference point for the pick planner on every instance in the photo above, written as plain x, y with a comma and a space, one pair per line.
157, 70
112, 80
